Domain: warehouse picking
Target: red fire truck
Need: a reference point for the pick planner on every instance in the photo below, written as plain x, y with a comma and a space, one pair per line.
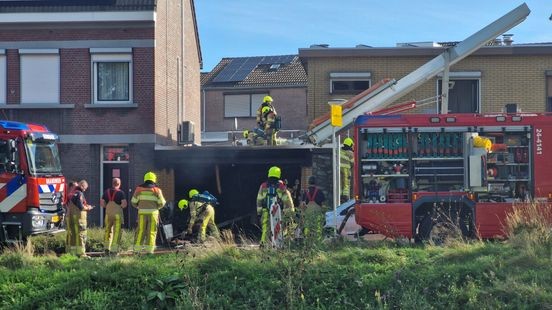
416, 174
31, 183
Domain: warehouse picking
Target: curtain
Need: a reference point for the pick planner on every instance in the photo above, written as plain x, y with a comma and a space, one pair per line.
113, 81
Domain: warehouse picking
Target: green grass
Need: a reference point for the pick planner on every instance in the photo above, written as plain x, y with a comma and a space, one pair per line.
482, 275
514, 274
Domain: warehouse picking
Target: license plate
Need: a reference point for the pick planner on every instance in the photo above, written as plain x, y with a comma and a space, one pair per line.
55, 218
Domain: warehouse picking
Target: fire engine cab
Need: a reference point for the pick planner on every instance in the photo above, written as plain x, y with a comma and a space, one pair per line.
416, 174
31, 183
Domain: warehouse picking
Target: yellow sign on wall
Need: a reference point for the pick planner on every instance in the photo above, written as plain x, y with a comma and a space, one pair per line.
337, 119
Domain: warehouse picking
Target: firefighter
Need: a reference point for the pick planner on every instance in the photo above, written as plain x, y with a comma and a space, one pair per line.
346, 164
270, 125
114, 201
254, 138
267, 102
180, 215
312, 210
148, 199
202, 215
71, 185
77, 212
283, 196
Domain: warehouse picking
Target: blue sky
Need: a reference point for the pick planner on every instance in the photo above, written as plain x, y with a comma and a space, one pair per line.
237, 28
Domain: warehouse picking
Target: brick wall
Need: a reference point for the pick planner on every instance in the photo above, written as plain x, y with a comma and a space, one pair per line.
75, 88
290, 103
77, 33
192, 96
504, 79
13, 76
177, 70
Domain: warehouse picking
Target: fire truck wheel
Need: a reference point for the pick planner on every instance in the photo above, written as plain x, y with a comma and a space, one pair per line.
423, 228
443, 233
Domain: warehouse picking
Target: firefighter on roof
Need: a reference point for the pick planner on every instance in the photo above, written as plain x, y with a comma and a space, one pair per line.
346, 161
254, 138
148, 198
267, 102
202, 215
282, 194
271, 125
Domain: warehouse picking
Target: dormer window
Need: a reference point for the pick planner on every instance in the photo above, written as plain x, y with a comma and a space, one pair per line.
274, 67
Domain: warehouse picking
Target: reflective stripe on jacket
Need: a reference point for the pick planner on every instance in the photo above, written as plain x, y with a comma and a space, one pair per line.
346, 159
148, 197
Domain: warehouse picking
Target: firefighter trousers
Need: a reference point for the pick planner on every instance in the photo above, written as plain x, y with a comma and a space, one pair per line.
345, 182
206, 221
76, 232
147, 230
265, 225
112, 237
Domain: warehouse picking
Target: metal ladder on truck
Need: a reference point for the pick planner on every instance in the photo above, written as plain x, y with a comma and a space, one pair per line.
387, 91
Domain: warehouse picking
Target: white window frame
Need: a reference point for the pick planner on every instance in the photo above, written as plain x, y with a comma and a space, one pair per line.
253, 104
3, 77
34, 82
102, 55
461, 75
350, 76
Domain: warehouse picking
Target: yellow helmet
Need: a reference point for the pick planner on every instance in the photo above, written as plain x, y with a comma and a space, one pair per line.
245, 133
183, 204
150, 176
265, 110
267, 99
192, 193
348, 142
274, 172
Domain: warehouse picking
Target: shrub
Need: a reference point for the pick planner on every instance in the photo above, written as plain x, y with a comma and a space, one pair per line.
529, 226
43, 244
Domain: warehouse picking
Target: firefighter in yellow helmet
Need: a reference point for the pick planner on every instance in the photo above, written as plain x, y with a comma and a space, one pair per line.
202, 215
180, 217
282, 194
254, 138
267, 102
346, 164
270, 125
148, 198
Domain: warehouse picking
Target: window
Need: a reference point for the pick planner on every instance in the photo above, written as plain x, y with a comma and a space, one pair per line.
463, 92
116, 153
3, 76
112, 74
39, 76
349, 82
242, 105
549, 91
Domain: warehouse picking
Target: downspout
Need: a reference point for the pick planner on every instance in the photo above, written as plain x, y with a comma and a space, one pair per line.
203, 124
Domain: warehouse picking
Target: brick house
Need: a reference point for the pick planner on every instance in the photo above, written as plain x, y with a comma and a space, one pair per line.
234, 89
498, 74
113, 78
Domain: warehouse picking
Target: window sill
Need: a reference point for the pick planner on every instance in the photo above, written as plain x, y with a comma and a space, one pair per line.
37, 106
110, 105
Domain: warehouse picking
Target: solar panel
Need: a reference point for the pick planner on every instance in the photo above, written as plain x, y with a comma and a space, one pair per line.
285, 59
238, 69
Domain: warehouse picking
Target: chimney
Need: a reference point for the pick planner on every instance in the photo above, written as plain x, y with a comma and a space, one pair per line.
507, 39
497, 42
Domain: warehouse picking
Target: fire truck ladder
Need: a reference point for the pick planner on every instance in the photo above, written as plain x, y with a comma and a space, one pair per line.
406, 106
388, 91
